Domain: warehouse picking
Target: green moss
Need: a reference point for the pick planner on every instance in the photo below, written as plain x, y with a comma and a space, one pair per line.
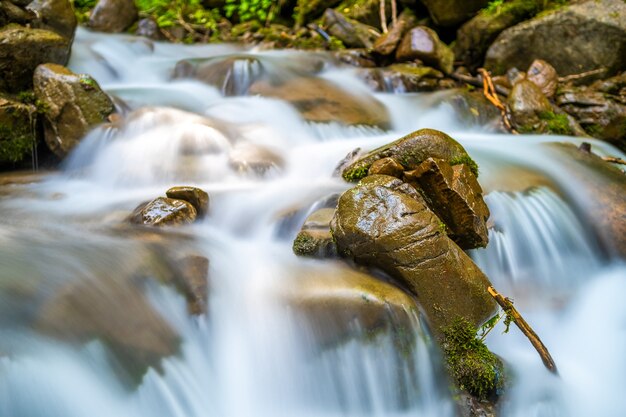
14, 146
469, 362
557, 124
356, 174
304, 245
467, 160
594, 129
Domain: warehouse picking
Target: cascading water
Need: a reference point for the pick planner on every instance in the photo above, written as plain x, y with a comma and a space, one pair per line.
265, 169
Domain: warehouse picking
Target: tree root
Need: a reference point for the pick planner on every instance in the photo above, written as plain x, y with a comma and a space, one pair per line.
519, 321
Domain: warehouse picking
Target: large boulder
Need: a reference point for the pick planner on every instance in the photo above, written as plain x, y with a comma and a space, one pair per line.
352, 33
321, 101
73, 103
454, 194
379, 225
475, 36
55, 15
424, 44
581, 37
22, 50
410, 151
113, 15
453, 12
164, 212
17, 130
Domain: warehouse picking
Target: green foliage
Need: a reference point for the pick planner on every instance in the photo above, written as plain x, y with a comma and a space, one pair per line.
169, 13
247, 10
82, 9
494, 6
355, 173
15, 145
469, 362
557, 124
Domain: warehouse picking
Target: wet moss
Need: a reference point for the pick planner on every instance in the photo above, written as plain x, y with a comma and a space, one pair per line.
304, 245
355, 174
557, 124
469, 362
14, 145
467, 160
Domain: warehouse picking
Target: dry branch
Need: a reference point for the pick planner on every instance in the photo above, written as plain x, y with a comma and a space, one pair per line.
519, 321
491, 94
383, 16
614, 160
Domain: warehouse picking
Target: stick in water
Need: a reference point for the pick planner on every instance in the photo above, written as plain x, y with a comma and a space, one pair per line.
512, 312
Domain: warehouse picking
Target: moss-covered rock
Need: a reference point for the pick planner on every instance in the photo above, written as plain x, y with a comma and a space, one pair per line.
453, 12
314, 239
309, 9
411, 151
364, 11
55, 15
424, 44
472, 366
381, 225
17, 130
22, 50
351, 32
388, 42
74, 104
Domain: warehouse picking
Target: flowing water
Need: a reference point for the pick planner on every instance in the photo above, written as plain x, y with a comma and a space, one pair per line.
68, 262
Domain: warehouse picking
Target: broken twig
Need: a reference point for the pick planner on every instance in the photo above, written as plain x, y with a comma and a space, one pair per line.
383, 16
491, 94
519, 321
614, 160
581, 75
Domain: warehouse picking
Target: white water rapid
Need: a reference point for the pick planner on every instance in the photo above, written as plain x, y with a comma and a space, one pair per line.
63, 248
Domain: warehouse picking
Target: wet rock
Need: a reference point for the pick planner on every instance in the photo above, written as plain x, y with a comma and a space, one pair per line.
544, 76
473, 107
403, 78
149, 28
364, 11
164, 212
601, 114
352, 33
198, 198
475, 36
192, 281
380, 226
527, 104
329, 303
593, 30
13, 13
307, 9
55, 15
233, 75
314, 239
17, 130
454, 195
355, 57
22, 50
453, 12
599, 189
388, 42
321, 101
247, 158
387, 166
113, 16
411, 151
424, 44
74, 104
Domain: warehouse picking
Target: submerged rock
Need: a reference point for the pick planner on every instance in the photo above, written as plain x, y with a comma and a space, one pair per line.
22, 50
198, 198
321, 101
593, 30
379, 225
314, 239
164, 212
424, 44
411, 151
113, 15
17, 130
454, 194
248, 158
192, 281
74, 104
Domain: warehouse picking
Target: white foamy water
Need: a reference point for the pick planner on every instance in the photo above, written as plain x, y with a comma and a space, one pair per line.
265, 168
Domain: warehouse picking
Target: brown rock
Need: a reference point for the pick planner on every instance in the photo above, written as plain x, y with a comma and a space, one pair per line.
74, 105
527, 103
424, 44
164, 212
379, 226
193, 282
314, 239
453, 12
403, 78
455, 196
248, 158
544, 76
388, 42
351, 32
386, 166
113, 16
55, 15
198, 198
